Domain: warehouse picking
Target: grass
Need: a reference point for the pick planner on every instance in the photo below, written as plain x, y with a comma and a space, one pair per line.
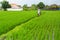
44, 27
11, 19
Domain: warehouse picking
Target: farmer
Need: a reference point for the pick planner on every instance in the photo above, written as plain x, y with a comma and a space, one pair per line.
39, 13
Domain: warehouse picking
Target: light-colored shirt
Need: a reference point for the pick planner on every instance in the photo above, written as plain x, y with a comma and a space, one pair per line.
39, 11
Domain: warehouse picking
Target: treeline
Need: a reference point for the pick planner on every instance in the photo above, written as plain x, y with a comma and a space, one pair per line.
42, 6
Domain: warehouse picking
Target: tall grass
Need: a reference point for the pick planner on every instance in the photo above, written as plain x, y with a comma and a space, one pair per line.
11, 19
45, 27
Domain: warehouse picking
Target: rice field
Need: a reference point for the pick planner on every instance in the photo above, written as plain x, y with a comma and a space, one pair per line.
44, 27
11, 19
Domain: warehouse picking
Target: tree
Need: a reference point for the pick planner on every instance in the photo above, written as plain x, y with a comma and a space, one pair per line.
47, 7
33, 7
41, 5
5, 5
25, 7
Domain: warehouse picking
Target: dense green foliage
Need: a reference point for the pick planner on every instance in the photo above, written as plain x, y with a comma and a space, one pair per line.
33, 7
39, 28
8, 20
25, 7
5, 5
41, 5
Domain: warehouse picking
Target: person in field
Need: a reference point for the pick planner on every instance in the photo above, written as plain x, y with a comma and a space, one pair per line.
39, 13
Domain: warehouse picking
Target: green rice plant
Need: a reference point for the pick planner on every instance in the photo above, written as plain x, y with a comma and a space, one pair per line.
11, 19
39, 28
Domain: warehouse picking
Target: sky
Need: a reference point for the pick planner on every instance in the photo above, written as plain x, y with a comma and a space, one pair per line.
29, 2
